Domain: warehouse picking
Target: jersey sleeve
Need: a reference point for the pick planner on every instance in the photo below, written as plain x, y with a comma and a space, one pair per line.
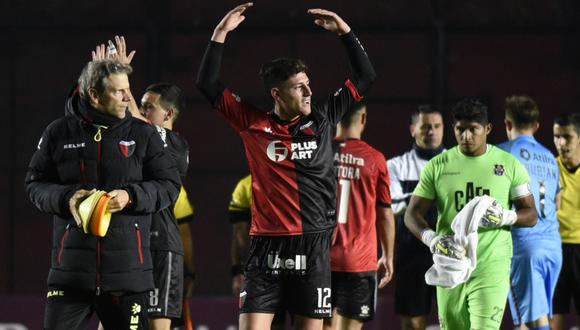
338, 103
426, 186
520, 185
238, 113
241, 203
383, 183
398, 198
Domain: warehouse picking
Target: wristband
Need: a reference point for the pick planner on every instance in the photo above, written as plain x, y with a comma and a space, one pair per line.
237, 269
509, 217
427, 236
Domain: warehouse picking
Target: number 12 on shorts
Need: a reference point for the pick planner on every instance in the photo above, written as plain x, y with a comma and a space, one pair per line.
323, 297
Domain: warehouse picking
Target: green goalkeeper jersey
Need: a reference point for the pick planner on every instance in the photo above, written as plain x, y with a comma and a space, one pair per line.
452, 179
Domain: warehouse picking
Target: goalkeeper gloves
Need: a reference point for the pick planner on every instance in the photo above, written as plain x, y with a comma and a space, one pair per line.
443, 245
496, 216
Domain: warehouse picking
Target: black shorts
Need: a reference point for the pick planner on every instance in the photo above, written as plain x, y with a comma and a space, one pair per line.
166, 300
71, 309
568, 287
354, 295
413, 296
289, 273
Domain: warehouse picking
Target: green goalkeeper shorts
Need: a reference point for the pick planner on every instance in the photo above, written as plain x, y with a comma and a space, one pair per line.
480, 302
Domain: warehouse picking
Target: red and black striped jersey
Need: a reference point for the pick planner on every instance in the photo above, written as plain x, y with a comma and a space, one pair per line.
293, 180
363, 185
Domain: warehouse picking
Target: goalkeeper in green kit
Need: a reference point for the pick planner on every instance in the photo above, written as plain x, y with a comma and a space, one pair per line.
453, 178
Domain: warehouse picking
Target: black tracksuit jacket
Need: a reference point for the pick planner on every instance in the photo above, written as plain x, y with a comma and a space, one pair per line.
130, 156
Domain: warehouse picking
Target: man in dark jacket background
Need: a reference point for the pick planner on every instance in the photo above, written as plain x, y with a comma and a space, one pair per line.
99, 145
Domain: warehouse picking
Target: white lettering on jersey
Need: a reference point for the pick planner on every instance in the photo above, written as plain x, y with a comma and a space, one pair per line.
349, 159
348, 172
278, 152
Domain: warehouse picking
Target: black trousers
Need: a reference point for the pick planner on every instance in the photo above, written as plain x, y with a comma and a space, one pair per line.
71, 309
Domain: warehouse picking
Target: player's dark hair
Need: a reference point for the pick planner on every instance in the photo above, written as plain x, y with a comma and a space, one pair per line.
279, 70
569, 119
423, 109
522, 110
348, 118
170, 96
470, 110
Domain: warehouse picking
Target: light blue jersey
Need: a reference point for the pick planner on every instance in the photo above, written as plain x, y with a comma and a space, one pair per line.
537, 256
545, 184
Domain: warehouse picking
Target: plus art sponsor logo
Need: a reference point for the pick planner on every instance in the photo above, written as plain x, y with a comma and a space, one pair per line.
277, 150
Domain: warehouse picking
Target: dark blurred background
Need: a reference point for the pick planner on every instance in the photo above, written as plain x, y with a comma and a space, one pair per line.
423, 51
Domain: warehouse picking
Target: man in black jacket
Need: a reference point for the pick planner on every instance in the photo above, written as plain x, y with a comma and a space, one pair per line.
98, 145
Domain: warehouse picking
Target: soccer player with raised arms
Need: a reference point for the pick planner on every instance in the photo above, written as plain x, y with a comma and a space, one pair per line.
289, 151
451, 180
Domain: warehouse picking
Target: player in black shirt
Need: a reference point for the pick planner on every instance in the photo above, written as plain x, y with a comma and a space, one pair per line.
161, 104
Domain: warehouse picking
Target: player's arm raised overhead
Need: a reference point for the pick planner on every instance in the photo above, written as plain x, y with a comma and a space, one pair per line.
363, 71
209, 71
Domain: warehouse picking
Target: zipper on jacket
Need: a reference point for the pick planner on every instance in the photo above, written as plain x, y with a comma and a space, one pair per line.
139, 247
98, 164
98, 278
62, 240
98, 137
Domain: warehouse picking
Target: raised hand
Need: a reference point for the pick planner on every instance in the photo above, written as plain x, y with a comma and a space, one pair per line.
116, 51
230, 22
100, 53
329, 21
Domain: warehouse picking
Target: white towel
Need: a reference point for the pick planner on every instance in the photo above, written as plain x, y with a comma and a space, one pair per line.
449, 272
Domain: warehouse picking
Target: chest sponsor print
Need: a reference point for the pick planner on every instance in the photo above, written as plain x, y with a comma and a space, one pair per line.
277, 150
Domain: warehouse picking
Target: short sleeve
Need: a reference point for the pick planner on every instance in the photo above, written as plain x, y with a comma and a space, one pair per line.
520, 185
240, 206
383, 183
